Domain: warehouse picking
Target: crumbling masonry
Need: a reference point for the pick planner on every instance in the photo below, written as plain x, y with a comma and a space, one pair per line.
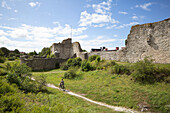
152, 39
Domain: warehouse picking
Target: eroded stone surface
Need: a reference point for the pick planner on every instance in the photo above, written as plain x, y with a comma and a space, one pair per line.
152, 39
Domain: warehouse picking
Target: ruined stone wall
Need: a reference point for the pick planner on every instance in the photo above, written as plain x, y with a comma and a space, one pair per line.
67, 49
41, 63
64, 49
152, 39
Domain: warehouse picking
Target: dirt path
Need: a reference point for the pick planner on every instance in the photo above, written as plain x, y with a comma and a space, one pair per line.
115, 108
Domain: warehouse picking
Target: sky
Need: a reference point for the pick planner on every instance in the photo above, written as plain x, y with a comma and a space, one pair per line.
29, 25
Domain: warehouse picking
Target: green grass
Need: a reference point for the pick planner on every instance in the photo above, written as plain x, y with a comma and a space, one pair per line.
52, 101
117, 90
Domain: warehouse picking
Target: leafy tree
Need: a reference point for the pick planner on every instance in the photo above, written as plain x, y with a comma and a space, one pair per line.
32, 53
45, 51
5, 51
16, 51
1, 53
84, 50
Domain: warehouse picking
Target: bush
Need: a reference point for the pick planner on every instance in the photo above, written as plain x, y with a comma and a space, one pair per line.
144, 71
71, 74
120, 69
71, 62
2, 72
92, 58
74, 62
112, 63
5, 87
64, 66
11, 104
20, 75
14, 78
11, 58
2, 59
85, 66
98, 59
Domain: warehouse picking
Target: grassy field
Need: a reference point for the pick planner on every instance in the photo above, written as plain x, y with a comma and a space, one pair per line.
114, 89
15, 100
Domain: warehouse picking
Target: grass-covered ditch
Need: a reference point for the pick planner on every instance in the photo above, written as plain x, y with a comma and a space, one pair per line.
131, 85
121, 84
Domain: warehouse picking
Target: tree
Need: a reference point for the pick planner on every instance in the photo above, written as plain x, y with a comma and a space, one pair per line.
45, 51
32, 53
16, 51
5, 51
1, 53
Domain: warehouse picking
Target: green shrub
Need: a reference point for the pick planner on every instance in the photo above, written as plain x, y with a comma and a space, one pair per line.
20, 75
2, 72
121, 69
2, 59
71, 62
85, 66
74, 62
92, 58
11, 58
64, 66
11, 103
98, 59
71, 74
17, 55
14, 78
144, 71
5, 87
42, 83
112, 63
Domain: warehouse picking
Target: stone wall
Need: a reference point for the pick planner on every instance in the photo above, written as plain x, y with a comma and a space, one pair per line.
152, 39
67, 49
63, 49
41, 63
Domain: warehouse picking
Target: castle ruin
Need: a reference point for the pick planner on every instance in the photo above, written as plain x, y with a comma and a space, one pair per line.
151, 39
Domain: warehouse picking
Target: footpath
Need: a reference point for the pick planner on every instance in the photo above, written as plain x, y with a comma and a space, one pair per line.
115, 108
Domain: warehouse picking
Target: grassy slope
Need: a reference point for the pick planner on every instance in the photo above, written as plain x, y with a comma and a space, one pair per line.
54, 98
114, 89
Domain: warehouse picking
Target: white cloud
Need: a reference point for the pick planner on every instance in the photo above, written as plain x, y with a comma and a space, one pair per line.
2, 33
134, 17
115, 35
37, 37
103, 7
89, 19
110, 27
5, 5
56, 23
145, 6
126, 25
77, 38
100, 17
100, 25
121, 12
33, 4
98, 42
16, 11
12, 19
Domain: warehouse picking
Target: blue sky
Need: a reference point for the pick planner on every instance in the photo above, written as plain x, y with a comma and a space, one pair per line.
30, 25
